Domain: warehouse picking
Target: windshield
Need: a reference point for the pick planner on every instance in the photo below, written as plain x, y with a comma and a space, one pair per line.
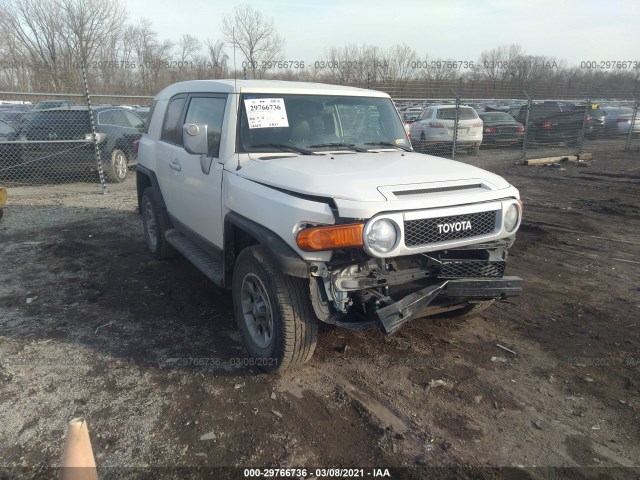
268, 122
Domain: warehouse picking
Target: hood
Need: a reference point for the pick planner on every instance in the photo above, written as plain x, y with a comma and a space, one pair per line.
364, 176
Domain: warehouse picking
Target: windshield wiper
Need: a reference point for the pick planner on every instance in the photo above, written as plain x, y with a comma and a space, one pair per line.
350, 146
389, 144
284, 146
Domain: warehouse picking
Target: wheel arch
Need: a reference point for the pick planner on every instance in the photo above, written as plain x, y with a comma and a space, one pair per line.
147, 178
240, 232
121, 144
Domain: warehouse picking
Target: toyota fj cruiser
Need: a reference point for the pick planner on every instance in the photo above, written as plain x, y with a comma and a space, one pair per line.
307, 201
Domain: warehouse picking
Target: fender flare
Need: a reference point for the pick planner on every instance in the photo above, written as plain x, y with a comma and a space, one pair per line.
285, 257
144, 176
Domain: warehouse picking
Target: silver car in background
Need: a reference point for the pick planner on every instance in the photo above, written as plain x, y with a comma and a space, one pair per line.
434, 129
617, 121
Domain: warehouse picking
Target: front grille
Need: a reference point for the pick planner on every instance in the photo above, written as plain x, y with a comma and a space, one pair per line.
472, 268
426, 230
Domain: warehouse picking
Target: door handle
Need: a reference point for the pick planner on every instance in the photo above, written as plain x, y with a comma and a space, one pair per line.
175, 165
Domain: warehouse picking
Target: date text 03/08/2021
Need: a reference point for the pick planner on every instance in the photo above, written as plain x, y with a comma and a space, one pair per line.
317, 473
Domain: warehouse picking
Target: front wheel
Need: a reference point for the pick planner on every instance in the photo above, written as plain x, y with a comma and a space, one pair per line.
273, 312
118, 167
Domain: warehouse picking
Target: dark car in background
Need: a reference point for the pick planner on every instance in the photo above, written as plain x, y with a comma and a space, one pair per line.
13, 117
142, 112
49, 104
8, 151
595, 127
549, 123
500, 128
62, 141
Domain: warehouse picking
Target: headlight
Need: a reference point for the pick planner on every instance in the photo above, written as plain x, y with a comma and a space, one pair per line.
382, 235
511, 217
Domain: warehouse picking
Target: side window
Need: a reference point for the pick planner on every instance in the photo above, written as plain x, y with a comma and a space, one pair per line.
210, 111
171, 125
119, 119
113, 117
106, 118
6, 129
132, 120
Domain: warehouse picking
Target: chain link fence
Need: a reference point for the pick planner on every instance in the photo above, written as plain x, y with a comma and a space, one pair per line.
517, 123
74, 140
69, 141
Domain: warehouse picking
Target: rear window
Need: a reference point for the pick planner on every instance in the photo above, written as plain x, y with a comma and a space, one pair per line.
544, 110
61, 124
497, 117
466, 113
149, 115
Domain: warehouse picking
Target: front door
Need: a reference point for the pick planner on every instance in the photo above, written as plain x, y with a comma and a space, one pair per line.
193, 195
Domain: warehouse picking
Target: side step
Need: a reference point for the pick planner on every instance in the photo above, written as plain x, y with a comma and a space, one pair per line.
208, 265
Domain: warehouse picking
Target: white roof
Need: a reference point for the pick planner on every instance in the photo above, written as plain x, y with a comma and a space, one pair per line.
264, 86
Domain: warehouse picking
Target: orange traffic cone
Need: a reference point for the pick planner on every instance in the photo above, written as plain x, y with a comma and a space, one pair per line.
77, 461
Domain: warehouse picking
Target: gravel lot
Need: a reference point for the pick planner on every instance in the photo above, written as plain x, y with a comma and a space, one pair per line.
148, 353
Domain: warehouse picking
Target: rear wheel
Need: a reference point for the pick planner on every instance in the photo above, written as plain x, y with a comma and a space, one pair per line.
273, 312
422, 144
474, 150
155, 222
118, 167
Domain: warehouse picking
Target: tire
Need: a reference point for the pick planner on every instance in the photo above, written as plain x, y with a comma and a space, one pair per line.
468, 310
155, 223
474, 150
422, 144
118, 167
284, 332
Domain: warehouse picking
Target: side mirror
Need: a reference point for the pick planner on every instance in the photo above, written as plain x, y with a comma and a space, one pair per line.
194, 138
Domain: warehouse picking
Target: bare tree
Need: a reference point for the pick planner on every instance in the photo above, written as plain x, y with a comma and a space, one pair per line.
89, 23
398, 64
36, 27
255, 36
218, 59
188, 46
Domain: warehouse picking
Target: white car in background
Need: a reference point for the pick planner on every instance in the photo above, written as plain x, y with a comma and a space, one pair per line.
434, 129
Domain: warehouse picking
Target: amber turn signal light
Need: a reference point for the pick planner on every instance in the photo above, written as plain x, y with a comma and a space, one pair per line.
330, 237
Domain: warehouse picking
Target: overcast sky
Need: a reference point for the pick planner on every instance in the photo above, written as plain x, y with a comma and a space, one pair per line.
574, 30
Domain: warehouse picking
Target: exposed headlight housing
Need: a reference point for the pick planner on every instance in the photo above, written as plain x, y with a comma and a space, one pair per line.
511, 217
381, 236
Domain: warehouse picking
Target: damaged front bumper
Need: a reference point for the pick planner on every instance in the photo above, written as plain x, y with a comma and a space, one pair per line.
398, 313
387, 293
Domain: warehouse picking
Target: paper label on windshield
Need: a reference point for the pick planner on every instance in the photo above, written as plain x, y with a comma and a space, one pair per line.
266, 112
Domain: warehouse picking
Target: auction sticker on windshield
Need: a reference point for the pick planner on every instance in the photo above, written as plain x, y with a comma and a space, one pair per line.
266, 112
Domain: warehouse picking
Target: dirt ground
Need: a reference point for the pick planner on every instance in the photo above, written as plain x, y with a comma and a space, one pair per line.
148, 353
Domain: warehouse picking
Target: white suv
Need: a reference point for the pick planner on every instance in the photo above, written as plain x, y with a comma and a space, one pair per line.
435, 126
307, 201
